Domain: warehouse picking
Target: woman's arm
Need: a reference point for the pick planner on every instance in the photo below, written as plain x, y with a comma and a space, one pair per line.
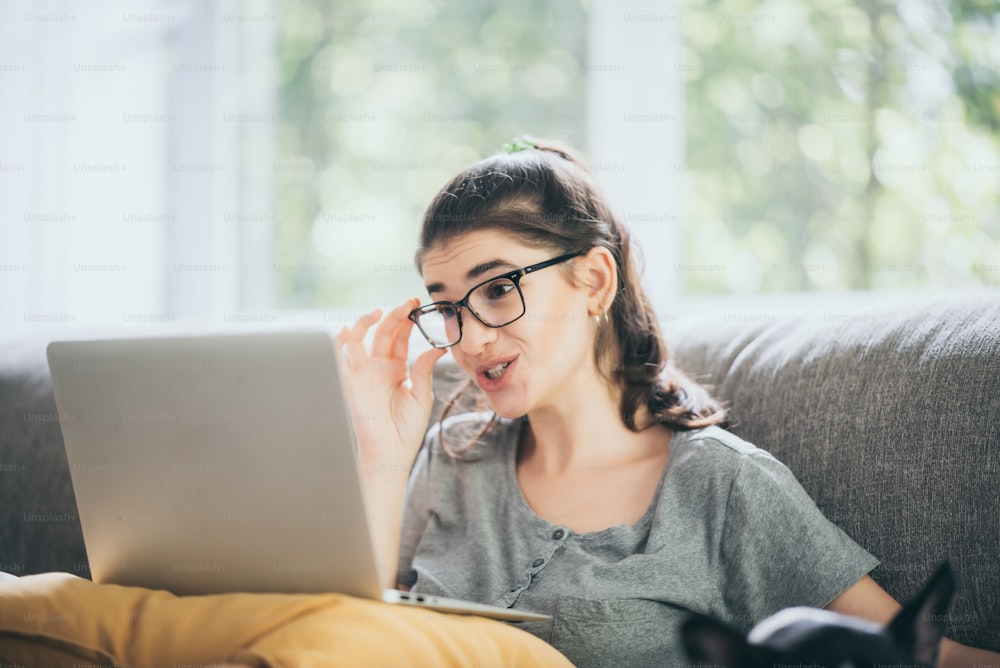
868, 600
390, 406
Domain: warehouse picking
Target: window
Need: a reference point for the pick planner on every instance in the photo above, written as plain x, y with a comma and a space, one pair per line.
221, 161
841, 145
380, 103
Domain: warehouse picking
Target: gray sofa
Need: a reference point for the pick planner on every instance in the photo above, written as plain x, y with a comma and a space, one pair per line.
889, 418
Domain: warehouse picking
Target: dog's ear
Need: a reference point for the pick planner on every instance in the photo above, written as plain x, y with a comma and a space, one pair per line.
711, 642
919, 626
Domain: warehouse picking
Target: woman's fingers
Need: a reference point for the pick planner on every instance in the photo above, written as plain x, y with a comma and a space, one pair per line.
421, 375
401, 346
391, 337
353, 338
394, 326
360, 328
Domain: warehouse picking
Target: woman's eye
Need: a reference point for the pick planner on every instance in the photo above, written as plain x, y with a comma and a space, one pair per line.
498, 289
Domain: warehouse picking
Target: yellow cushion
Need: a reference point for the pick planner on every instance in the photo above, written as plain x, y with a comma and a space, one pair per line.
58, 619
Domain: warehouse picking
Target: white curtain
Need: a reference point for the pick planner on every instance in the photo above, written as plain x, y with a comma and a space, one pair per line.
635, 128
134, 144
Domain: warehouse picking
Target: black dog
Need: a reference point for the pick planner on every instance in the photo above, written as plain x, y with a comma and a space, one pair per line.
809, 636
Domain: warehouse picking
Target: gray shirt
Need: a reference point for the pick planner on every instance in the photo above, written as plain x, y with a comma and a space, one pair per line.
729, 533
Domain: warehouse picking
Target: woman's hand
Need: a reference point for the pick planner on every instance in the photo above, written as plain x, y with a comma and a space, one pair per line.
390, 407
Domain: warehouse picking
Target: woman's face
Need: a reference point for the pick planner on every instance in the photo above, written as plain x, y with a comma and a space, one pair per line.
536, 361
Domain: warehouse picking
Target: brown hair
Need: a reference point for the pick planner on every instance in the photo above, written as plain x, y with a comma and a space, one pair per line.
546, 196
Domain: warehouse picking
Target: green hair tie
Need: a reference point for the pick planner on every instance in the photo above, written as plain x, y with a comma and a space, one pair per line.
519, 144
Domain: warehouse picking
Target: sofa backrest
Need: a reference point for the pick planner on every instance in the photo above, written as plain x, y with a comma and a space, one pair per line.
890, 419
39, 527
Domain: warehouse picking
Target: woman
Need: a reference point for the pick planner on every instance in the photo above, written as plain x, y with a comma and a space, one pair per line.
599, 486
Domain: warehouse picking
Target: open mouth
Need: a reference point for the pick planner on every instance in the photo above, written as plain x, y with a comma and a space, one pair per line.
497, 371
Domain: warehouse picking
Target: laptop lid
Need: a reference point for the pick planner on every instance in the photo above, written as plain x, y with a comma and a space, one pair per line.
211, 464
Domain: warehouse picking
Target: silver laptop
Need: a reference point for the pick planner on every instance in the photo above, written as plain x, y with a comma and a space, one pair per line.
223, 463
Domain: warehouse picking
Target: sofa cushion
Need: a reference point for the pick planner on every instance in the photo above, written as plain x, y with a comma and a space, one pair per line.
890, 420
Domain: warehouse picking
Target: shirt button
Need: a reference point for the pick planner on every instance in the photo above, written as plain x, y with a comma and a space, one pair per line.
558, 534
537, 562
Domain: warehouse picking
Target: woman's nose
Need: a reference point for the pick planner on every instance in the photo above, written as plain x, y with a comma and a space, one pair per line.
475, 335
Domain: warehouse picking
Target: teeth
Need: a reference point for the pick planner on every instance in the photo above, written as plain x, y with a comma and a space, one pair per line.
496, 371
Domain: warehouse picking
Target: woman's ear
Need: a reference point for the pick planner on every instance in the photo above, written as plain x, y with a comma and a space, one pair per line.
600, 278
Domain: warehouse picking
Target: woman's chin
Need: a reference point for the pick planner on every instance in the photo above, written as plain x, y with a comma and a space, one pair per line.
509, 409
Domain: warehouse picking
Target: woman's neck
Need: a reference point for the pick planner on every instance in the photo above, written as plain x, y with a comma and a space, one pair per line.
585, 431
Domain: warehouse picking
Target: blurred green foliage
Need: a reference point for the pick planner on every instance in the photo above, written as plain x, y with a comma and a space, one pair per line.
841, 145
381, 102
830, 145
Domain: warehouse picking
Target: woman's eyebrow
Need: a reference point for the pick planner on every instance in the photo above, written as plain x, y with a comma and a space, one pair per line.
475, 273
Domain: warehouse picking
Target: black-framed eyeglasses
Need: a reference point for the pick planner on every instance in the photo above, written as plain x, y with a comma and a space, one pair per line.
496, 302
